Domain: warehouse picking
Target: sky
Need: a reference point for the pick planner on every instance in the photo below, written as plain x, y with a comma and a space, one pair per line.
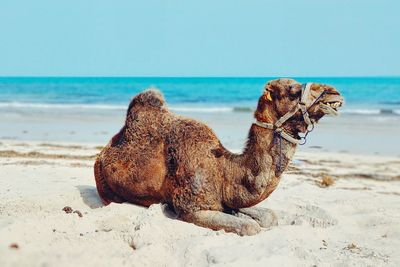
200, 38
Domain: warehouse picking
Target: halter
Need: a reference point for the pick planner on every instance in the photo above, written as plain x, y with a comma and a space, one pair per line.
303, 105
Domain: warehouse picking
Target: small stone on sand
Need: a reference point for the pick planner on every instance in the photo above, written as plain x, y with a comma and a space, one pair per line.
67, 209
78, 212
14, 246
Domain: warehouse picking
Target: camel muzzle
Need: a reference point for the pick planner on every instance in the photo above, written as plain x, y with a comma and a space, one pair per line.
330, 105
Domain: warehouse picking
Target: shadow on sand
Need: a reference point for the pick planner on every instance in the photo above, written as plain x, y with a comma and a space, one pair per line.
90, 196
92, 199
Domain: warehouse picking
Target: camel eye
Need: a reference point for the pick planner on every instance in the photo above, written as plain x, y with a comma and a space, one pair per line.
293, 91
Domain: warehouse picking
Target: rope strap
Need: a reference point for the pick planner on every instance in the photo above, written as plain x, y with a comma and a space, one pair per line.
302, 105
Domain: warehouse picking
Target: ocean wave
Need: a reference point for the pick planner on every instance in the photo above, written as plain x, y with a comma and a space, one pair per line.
177, 108
211, 109
371, 111
362, 111
18, 105
202, 109
60, 106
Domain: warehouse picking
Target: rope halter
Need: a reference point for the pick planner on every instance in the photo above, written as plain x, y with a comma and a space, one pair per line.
303, 105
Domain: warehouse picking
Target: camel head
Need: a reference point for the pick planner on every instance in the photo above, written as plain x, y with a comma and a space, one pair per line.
283, 96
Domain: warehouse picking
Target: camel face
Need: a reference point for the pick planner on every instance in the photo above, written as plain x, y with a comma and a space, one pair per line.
283, 95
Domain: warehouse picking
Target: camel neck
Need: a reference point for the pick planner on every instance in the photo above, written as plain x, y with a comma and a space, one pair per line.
263, 144
255, 173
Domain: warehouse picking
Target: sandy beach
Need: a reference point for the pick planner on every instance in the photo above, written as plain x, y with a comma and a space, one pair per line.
51, 215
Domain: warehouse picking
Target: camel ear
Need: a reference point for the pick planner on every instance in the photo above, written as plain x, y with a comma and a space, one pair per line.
267, 96
269, 91
268, 87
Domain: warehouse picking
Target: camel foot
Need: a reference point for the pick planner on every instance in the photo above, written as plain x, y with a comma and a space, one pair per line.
217, 220
264, 217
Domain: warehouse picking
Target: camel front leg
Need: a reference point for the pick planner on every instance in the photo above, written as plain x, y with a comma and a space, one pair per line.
217, 220
264, 217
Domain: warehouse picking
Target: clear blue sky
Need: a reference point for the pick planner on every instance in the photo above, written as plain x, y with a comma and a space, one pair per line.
199, 38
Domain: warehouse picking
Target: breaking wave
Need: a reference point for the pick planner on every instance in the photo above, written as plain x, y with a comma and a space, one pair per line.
177, 108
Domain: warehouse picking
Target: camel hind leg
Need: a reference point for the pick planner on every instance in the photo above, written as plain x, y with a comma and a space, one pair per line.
217, 220
106, 194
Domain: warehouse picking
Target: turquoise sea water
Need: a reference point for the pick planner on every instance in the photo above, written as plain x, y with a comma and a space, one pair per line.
363, 95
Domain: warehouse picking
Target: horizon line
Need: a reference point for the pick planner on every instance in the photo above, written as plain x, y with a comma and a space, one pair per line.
189, 77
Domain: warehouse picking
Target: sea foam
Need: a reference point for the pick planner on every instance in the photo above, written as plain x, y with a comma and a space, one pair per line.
183, 109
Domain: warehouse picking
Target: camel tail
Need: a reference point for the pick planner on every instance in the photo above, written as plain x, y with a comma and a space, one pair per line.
105, 192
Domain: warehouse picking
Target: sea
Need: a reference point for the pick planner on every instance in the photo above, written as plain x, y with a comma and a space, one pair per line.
92, 110
364, 96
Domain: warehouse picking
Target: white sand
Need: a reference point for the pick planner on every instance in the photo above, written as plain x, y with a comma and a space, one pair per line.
317, 226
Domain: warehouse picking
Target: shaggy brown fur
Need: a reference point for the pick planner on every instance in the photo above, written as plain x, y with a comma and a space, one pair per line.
161, 157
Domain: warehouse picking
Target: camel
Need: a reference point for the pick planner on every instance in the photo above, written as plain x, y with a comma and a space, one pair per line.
161, 157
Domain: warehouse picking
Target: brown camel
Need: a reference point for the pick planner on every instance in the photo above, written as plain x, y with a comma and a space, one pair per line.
159, 156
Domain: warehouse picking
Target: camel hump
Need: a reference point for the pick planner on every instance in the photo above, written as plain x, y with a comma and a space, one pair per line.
149, 98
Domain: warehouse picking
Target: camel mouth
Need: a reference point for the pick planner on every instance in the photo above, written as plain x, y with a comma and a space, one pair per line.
331, 108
